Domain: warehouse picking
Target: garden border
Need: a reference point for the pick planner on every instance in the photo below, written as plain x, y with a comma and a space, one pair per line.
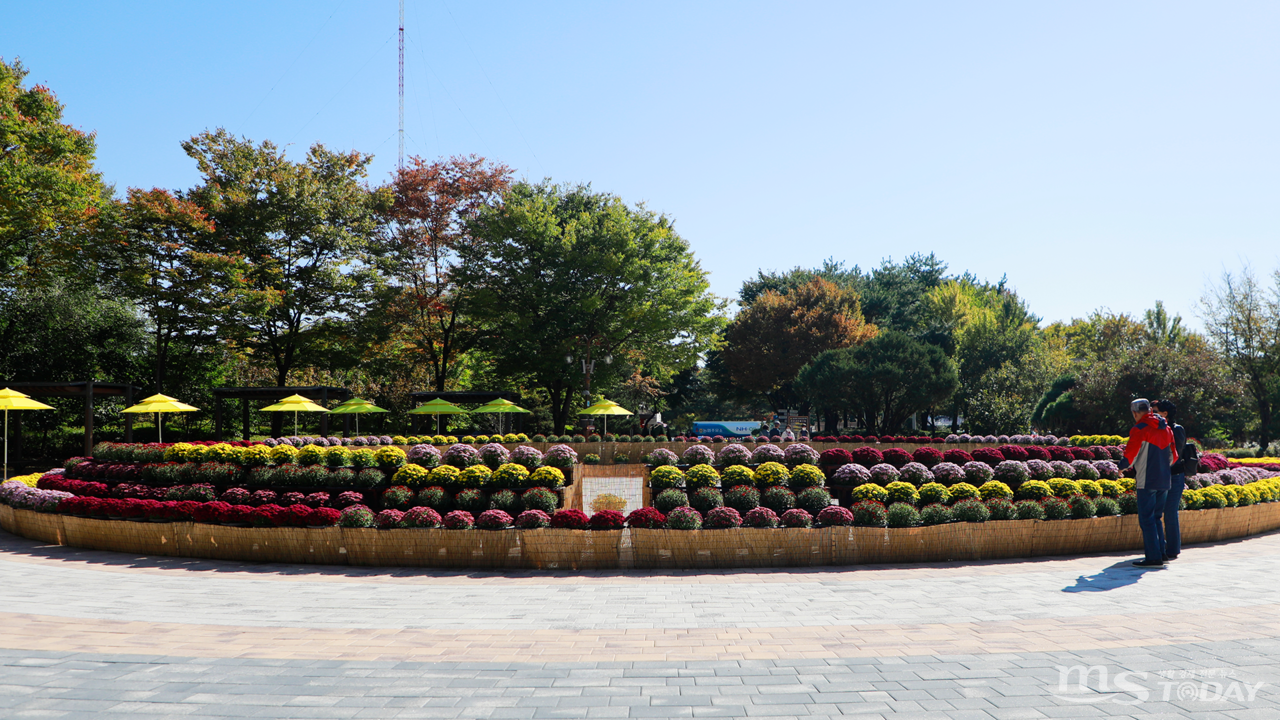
562, 549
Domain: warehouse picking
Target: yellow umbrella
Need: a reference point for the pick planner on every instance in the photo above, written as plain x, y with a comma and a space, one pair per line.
296, 404
500, 406
437, 407
606, 408
160, 404
355, 406
14, 400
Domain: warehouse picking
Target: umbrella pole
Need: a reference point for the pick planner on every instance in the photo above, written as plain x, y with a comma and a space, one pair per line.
6, 444
357, 423
159, 428
295, 423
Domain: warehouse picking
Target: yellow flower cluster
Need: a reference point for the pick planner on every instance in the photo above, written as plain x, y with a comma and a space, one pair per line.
28, 480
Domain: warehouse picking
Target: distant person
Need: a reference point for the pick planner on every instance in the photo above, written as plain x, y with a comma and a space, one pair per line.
1177, 480
1149, 452
788, 436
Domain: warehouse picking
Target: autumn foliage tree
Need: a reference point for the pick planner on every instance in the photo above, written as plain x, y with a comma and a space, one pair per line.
433, 204
775, 336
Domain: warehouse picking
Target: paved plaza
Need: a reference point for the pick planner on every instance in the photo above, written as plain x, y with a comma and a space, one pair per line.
97, 634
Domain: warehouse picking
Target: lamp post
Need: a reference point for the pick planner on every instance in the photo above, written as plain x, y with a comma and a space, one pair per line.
588, 367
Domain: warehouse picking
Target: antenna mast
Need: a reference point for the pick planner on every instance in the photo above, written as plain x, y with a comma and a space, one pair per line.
400, 162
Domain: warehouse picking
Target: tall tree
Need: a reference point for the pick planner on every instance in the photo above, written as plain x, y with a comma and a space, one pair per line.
306, 230
558, 272
434, 202
193, 295
775, 336
49, 190
1242, 318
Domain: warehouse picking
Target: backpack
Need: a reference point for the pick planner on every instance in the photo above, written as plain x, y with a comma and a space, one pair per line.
1189, 463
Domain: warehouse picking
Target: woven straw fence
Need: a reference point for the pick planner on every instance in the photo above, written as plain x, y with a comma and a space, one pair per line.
560, 549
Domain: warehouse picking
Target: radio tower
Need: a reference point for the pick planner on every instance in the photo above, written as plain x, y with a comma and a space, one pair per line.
400, 162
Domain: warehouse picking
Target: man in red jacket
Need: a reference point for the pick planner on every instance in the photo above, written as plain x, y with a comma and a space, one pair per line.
1150, 452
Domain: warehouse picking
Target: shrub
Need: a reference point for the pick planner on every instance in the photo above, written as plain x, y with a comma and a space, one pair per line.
735, 475
867, 457
767, 453
897, 457
995, 489
646, 517
970, 510
1109, 488
706, 498
591, 459
743, 498
1039, 470
494, 456
1129, 502
1013, 452
669, 500
510, 475
1106, 507
869, 492
902, 492
336, 457
988, 456
976, 473
851, 474
472, 500
900, 515
397, 497
547, 477
1062, 469
806, 476
915, 473
1084, 470
1055, 508
933, 494
835, 457
761, 517
870, 513
701, 476
962, 491
1028, 510
1089, 488
493, 520
800, 454
834, 516
560, 456
390, 456
1063, 487
684, 518
722, 518
506, 501
813, 500
1034, 490
1106, 470
446, 476
665, 477
528, 457
883, 474
778, 498
280, 454
698, 455
355, 516
607, 520
1081, 507
1000, 508
796, 518
936, 514
389, 519
532, 520
461, 456
411, 475
1011, 472
476, 476
957, 457
927, 456
458, 520
540, 498
662, 456
422, 517
771, 474
948, 473
362, 458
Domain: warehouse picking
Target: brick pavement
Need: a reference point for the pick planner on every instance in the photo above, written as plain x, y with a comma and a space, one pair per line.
93, 634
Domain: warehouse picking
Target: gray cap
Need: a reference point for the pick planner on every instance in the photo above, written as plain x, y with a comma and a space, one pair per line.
1140, 405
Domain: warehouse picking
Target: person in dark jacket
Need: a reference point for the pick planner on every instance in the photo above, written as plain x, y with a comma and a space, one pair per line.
1149, 452
1177, 480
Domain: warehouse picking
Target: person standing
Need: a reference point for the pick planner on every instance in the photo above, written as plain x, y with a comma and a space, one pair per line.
1149, 452
1177, 480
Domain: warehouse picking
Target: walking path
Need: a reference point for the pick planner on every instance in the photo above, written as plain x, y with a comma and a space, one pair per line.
97, 634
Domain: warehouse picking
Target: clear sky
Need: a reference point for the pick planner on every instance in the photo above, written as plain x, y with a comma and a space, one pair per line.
1099, 154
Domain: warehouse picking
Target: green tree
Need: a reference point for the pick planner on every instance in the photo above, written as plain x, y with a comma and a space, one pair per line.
775, 336
307, 232
1242, 319
883, 382
49, 190
558, 272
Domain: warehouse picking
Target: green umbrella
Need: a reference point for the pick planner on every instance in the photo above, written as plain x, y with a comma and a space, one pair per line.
438, 407
606, 408
355, 406
500, 406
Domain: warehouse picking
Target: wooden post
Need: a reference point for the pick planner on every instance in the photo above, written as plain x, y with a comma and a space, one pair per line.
217, 417
244, 417
88, 417
128, 418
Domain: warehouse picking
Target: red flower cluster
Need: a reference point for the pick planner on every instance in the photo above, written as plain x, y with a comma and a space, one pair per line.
835, 456
75, 487
605, 520
897, 457
927, 456
959, 457
646, 517
989, 456
572, 519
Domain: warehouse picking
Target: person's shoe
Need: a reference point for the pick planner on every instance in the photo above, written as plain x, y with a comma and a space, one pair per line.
1148, 563
1170, 557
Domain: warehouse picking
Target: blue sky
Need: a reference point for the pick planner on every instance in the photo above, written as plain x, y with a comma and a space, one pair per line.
1098, 154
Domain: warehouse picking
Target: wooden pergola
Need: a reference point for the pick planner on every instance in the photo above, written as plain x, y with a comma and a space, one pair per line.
321, 394
87, 389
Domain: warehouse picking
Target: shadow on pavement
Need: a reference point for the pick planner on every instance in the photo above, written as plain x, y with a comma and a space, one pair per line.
1113, 576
